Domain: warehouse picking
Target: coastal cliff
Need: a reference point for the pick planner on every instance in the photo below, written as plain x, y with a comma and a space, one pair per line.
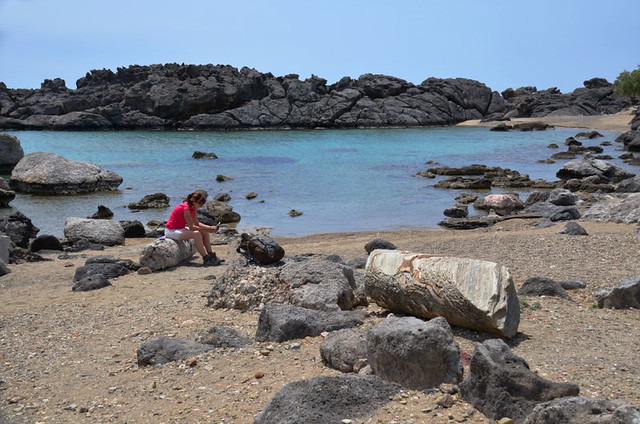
221, 97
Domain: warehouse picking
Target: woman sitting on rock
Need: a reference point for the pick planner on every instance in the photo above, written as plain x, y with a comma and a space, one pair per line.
183, 224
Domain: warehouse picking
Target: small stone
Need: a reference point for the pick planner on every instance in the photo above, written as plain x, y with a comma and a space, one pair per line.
265, 352
144, 271
193, 362
295, 346
259, 374
506, 420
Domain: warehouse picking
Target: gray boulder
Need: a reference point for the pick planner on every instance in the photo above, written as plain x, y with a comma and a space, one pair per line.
626, 295
500, 383
222, 212
322, 285
542, 286
279, 323
343, 349
414, 353
589, 166
624, 209
163, 350
221, 336
108, 233
166, 253
467, 292
581, 410
10, 152
562, 197
328, 400
48, 173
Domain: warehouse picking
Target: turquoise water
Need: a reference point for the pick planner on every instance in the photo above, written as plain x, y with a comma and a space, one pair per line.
342, 180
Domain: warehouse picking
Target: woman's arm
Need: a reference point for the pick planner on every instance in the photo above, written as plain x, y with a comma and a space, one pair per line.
194, 224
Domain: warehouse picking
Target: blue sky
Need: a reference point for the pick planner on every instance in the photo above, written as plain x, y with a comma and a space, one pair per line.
503, 44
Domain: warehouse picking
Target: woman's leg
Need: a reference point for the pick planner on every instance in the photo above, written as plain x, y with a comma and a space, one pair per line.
197, 238
206, 240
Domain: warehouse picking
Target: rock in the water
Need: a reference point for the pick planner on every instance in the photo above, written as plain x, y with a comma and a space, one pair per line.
328, 400
589, 166
166, 253
279, 323
10, 152
102, 213
162, 350
108, 233
414, 353
48, 173
467, 292
500, 383
156, 200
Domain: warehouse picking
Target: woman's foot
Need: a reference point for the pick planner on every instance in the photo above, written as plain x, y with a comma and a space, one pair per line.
211, 259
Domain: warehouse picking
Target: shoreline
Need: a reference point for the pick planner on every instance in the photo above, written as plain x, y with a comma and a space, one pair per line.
615, 122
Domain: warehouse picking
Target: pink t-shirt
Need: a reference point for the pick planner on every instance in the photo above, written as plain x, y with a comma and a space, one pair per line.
176, 219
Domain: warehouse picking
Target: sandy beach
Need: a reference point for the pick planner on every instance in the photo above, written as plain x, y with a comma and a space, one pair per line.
70, 357
615, 122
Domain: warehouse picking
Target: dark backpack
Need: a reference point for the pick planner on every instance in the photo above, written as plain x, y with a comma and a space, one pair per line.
260, 248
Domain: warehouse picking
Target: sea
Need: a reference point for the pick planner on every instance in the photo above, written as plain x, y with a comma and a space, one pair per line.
341, 180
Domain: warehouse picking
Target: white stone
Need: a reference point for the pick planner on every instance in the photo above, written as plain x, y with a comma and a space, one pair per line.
468, 293
166, 253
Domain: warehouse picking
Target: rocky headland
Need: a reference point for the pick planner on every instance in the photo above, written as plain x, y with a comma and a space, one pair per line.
219, 97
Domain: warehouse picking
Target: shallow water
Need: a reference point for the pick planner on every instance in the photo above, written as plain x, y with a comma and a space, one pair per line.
342, 180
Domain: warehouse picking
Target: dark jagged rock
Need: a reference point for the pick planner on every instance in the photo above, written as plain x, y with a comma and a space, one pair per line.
215, 97
500, 383
221, 336
163, 350
19, 228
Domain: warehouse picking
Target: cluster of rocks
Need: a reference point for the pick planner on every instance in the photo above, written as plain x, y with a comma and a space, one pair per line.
595, 98
306, 296
208, 97
580, 181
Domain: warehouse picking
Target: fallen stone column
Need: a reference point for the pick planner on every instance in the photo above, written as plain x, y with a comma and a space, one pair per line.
166, 253
468, 293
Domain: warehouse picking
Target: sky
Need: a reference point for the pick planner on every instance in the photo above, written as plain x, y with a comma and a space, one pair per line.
503, 44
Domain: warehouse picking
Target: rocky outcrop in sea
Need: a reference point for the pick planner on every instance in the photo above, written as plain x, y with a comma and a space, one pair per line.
216, 97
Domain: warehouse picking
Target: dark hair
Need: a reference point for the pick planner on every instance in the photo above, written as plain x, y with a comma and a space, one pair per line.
196, 197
